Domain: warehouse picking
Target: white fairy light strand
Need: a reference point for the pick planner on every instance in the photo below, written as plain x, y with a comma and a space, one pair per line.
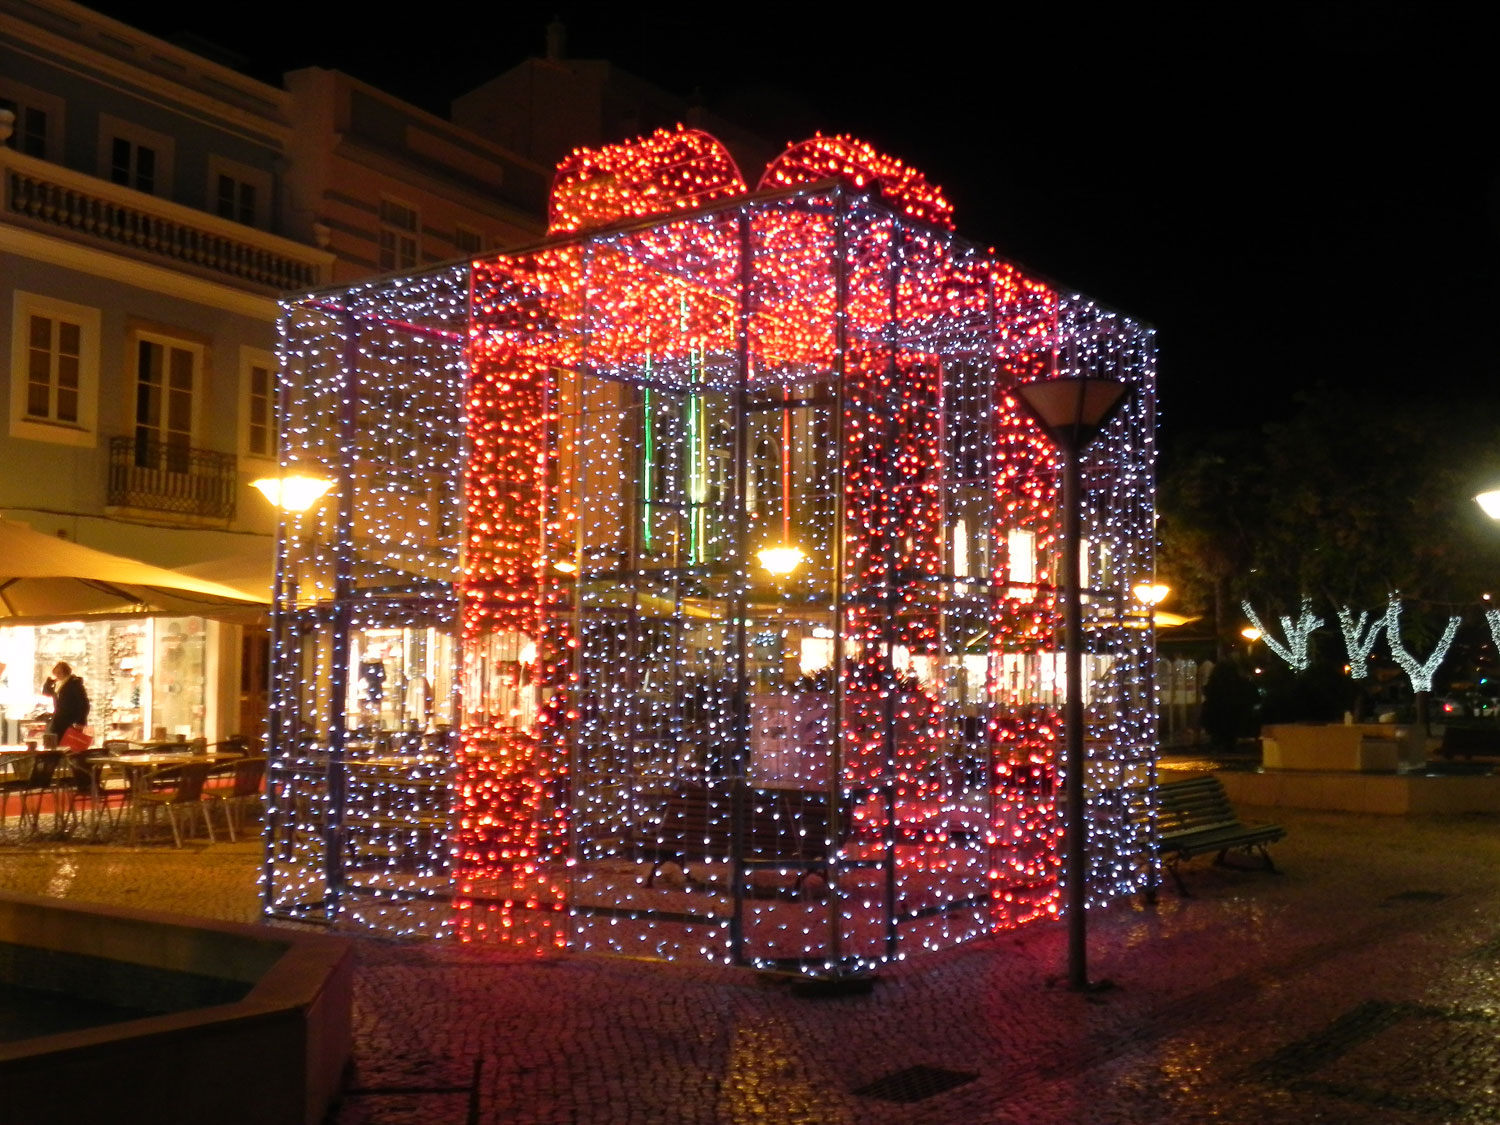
371, 396
1420, 673
1295, 651
1358, 641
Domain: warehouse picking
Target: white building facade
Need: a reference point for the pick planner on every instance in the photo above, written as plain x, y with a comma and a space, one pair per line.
153, 205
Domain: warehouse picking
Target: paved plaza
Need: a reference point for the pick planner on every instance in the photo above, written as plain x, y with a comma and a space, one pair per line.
1360, 985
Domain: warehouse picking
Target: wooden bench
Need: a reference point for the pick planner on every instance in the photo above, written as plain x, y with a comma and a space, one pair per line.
1194, 817
783, 828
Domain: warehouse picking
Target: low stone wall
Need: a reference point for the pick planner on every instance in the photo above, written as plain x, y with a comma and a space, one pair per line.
1393, 794
1362, 747
276, 1055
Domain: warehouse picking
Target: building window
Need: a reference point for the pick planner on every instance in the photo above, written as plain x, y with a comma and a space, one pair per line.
257, 403
37, 128
166, 376
134, 157
54, 370
238, 192
469, 242
28, 129
398, 235
54, 350
133, 165
236, 200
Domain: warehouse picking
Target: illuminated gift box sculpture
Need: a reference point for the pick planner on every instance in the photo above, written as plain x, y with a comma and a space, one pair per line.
725, 568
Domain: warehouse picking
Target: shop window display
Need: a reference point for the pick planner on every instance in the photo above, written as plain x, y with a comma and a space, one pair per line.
145, 678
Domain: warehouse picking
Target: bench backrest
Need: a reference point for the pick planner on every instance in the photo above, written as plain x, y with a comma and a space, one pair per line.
779, 823
1199, 802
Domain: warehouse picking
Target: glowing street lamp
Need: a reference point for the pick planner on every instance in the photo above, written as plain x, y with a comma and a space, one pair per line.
1151, 593
1072, 411
295, 492
1250, 633
780, 560
1490, 503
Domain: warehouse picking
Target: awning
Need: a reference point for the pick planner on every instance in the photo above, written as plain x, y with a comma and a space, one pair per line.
43, 578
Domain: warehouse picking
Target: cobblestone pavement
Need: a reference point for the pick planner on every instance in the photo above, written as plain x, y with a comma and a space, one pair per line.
1361, 985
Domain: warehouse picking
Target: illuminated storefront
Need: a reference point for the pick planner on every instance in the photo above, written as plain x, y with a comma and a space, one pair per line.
147, 676
736, 568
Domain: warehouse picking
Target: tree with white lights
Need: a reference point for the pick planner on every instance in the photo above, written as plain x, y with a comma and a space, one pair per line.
1294, 652
1359, 640
1420, 673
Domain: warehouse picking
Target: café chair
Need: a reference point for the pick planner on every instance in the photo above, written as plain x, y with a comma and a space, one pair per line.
104, 785
15, 777
246, 777
178, 790
37, 771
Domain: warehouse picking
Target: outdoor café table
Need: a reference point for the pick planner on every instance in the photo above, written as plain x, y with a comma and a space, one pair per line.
138, 766
9, 754
397, 761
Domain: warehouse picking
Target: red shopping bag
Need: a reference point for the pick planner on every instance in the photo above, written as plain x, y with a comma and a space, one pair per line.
76, 738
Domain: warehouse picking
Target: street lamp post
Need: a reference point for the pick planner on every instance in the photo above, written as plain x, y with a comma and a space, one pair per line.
1152, 594
1071, 412
293, 494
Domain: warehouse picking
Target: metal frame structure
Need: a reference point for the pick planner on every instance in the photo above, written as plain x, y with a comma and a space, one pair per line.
569, 471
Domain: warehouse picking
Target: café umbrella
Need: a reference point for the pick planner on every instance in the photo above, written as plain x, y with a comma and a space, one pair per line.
45, 578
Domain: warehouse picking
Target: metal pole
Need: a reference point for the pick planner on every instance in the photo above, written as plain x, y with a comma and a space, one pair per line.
278, 677
1153, 735
739, 741
1062, 408
336, 832
1076, 828
837, 799
889, 545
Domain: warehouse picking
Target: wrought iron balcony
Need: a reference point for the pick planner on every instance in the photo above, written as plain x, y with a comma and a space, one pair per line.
48, 197
161, 477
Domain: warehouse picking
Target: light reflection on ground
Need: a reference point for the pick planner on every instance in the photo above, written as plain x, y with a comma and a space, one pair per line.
1362, 985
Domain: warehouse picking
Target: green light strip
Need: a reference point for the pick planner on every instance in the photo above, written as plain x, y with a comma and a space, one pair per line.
647, 462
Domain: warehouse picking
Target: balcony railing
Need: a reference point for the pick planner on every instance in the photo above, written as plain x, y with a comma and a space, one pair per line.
161, 477
49, 197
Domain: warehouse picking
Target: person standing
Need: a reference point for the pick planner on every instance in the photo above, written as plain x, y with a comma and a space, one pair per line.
70, 702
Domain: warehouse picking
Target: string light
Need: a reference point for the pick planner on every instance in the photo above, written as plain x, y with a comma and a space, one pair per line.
664, 749
363, 690
1358, 641
1295, 651
1418, 672
859, 164
670, 170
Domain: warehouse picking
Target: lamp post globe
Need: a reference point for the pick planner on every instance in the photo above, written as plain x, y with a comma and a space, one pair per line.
1489, 503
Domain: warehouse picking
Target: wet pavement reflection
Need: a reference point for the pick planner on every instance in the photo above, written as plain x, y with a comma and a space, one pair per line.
1361, 985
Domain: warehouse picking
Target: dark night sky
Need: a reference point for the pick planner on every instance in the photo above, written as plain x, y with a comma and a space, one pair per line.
1289, 200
